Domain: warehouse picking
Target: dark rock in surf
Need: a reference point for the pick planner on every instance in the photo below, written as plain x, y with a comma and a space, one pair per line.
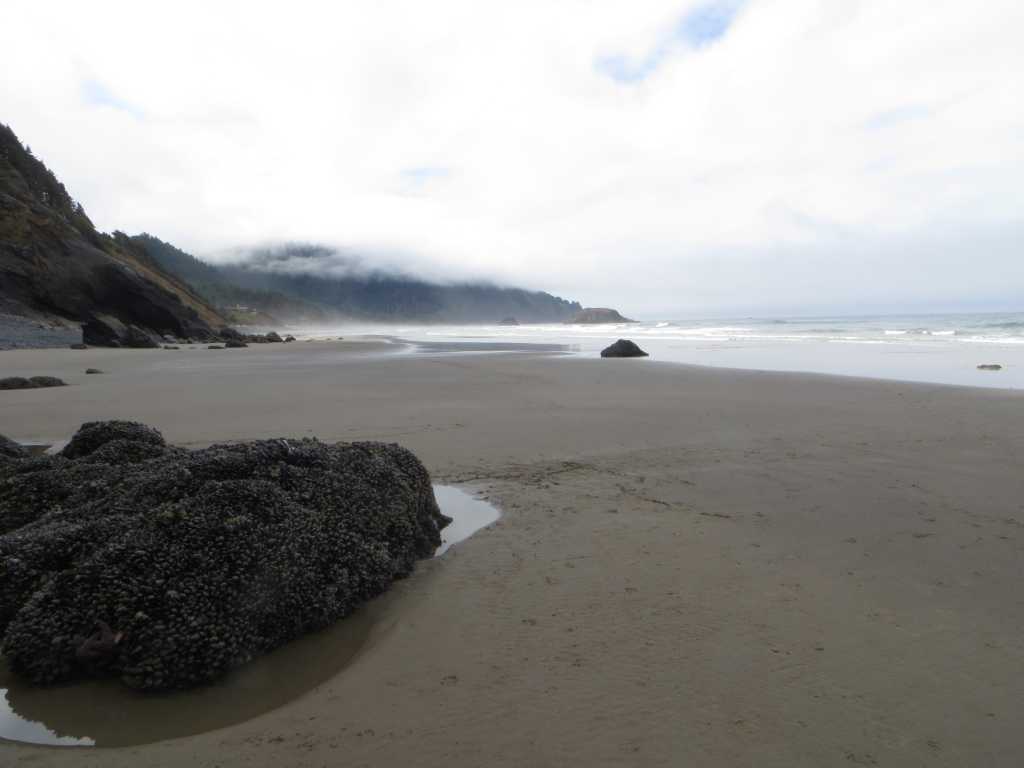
508, 321
168, 567
623, 348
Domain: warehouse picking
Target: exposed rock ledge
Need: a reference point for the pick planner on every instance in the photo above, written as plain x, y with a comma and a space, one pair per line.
168, 567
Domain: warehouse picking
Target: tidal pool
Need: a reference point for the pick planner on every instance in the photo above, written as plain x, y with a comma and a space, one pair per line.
104, 713
469, 514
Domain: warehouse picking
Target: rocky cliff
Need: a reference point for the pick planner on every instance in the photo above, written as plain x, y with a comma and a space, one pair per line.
55, 265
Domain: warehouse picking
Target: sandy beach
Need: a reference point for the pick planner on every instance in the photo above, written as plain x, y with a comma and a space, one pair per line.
694, 566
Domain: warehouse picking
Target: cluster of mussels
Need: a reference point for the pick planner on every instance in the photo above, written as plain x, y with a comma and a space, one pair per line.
125, 556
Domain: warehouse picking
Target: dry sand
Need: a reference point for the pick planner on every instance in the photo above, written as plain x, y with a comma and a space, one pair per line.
695, 567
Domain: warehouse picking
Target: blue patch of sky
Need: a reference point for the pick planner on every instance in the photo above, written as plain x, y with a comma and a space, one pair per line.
705, 24
698, 28
96, 94
902, 114
423, 174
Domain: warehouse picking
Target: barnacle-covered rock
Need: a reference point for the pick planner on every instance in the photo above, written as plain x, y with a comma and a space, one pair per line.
95, 434
11, 450
168, 567
33, 382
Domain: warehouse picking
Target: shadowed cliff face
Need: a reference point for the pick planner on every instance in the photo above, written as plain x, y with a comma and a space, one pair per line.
53, 262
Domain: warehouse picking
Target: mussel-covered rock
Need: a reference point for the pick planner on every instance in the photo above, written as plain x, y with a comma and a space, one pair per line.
11, 450
33, 382
168, 567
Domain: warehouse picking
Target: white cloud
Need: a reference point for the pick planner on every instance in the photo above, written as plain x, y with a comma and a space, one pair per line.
766, 168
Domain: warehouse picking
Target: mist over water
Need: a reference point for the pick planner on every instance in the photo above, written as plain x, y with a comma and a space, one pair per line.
937, 348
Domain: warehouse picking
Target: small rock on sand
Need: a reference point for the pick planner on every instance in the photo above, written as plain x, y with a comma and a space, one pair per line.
34, 382
990, 367
623, 348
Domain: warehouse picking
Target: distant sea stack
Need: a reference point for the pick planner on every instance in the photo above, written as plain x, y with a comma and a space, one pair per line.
508, 321
597, 316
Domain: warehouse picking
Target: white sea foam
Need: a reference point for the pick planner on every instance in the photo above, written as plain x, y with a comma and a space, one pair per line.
940, 348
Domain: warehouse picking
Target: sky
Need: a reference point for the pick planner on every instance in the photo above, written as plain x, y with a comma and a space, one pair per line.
665, 158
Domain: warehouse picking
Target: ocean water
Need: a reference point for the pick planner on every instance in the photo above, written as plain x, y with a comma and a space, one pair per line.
943, 349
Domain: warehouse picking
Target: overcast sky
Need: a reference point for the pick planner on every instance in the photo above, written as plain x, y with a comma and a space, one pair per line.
790, 156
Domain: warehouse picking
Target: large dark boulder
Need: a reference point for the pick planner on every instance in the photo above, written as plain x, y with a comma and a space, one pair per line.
168, 567
230, 334
274, 337
623, 348
108, 331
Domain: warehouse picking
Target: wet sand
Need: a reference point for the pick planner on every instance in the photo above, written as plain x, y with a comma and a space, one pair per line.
694, 566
